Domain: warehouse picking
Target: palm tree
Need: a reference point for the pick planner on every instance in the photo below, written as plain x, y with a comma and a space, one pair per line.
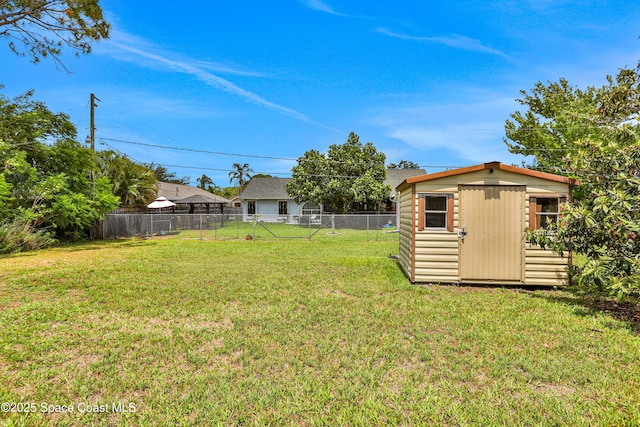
133, 183
240, 174
204, 180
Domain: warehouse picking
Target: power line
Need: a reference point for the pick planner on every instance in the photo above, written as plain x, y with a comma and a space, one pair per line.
221, 153
193, 150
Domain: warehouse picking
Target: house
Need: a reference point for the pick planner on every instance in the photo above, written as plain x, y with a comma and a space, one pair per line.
236, 202
267, 200
468, 226
394, 178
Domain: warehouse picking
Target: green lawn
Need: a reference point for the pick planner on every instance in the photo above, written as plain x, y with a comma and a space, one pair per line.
182, 331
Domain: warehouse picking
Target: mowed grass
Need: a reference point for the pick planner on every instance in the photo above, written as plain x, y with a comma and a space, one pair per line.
297, 332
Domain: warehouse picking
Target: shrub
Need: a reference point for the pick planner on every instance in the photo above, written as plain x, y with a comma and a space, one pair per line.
18, 235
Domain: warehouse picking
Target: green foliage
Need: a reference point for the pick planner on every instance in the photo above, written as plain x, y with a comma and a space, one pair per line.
226, 192
163, 174
74, 23
45, 177
551, 124
25, 120
403, 164
5, 196
559, 115
289, 332
204, 181
18, 235
133, 183
241, 174
604, 223
351, 176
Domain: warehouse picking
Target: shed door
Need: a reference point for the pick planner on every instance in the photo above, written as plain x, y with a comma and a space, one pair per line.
493, 218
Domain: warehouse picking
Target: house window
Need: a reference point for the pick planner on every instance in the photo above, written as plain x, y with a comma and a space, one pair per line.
435, 212
251, 207
547, 211
283, 208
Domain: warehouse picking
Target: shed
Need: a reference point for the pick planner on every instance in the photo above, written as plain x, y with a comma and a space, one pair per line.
468, 226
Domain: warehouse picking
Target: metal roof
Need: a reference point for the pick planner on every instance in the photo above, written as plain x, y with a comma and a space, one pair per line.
490, 165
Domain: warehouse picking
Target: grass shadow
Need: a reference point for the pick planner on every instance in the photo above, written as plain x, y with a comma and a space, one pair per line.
101, 244
18, 255
627, 312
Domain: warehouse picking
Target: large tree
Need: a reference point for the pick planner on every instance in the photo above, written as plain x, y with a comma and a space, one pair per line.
403, 164
349, 176
44, 174
40, 28
557, 115
593, 135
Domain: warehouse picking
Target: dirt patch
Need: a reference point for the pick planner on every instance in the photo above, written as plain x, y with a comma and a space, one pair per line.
552, 389
624, 311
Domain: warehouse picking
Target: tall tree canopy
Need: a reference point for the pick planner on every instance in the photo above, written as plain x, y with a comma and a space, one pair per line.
44, 174
350, 175
403, 164
134, 184
241, 174
203, 181
163, 174
557, 115
593, 135
39, 28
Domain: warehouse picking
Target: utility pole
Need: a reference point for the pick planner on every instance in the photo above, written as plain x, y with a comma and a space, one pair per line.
93, 231
92, 125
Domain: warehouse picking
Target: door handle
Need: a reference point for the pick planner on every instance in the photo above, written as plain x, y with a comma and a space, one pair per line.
462, 231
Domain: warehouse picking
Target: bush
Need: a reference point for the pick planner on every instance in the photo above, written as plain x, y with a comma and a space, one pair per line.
18, 235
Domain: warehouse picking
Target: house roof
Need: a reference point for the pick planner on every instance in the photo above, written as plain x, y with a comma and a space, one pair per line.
179, 192
490, 165
395, 177
273, 188
266, 189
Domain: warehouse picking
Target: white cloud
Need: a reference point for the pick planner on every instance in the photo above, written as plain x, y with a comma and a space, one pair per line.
456, 41
321, 6
129, 48
472, 131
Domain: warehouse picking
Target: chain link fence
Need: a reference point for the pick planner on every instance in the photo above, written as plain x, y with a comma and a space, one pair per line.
233, 226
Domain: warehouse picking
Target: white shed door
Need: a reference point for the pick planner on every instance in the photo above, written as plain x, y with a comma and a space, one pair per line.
493, 218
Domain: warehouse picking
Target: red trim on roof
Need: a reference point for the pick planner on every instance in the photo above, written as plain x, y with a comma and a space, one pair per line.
490, 165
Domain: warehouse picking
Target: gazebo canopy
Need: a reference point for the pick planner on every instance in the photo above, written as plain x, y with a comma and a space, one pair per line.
160, 202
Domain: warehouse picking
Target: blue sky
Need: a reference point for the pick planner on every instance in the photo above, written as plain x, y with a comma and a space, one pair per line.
430, 82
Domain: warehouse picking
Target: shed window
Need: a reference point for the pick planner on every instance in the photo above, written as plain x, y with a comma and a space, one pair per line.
436, 212
283, 208
544, 211
251, 207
